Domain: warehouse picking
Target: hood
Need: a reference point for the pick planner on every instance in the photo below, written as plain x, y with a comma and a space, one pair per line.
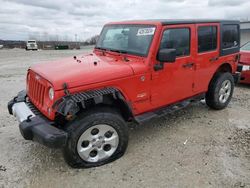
245, 57
83, 70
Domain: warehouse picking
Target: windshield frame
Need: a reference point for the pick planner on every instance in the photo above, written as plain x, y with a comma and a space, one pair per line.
128, 52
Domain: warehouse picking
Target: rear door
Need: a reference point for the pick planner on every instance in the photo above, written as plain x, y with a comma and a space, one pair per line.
206, 55
175, 81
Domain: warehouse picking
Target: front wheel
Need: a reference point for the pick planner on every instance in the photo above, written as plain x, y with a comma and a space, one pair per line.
97, 137
220, 91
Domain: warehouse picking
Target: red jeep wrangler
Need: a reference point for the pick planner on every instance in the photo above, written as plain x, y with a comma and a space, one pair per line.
244, 64
138, 70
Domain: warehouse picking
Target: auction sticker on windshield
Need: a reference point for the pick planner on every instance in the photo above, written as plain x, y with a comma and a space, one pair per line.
146, 31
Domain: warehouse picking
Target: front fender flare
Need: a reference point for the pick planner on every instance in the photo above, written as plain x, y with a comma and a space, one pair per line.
71, 103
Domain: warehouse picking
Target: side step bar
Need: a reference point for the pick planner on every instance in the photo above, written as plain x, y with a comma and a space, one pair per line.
142, 118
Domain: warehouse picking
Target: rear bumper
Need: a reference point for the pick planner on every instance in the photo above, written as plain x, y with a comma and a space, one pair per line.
36, 127
31, 47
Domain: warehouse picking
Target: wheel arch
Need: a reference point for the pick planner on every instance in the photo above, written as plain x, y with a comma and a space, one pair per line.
225, 67
71, 105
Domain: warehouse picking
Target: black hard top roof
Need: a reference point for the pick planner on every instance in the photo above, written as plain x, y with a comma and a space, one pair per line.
194, 21
183, 21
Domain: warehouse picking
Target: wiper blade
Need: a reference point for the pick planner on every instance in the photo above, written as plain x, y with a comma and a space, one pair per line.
99, 48
119, 51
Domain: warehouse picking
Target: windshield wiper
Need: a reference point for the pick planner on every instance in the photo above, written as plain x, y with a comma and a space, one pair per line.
112, 50
100, 48
119, 51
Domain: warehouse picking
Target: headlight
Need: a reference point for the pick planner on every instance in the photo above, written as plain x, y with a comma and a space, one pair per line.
51, 93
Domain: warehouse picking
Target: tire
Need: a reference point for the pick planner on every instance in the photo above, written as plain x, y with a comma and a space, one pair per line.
83, 136
220, 91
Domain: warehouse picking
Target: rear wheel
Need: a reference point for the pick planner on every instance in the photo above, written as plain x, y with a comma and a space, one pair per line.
96, 138
220, 91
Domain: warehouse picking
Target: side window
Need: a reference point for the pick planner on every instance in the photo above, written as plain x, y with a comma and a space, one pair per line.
178, 39
230, 36
207, 38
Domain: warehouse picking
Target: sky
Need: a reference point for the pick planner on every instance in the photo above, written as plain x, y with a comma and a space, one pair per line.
81, 19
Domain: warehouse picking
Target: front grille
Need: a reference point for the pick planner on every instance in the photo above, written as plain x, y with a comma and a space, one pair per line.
36, 90
36, 111
33, 108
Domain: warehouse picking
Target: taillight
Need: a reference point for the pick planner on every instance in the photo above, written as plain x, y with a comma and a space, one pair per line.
28, 77
27, 82
237, 57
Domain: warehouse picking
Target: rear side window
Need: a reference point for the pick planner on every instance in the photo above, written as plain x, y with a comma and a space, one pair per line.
178, 39
230, 36
207, 38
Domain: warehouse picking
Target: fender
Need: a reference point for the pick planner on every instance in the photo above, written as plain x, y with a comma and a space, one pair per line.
71, 104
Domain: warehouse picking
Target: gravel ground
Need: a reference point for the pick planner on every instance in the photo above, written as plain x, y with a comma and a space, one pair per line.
195, 147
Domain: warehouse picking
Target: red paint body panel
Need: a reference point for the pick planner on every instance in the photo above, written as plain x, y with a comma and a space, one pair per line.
246, 76
245, 60
143, 87
85, 72
245, 57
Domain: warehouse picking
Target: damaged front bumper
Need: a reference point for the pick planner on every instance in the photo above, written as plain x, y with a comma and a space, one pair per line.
35, 126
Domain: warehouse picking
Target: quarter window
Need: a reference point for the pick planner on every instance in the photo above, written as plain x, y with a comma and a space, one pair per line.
207, 38
230, 37
178, 39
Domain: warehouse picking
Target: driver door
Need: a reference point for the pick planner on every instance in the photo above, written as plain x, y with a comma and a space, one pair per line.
175, 81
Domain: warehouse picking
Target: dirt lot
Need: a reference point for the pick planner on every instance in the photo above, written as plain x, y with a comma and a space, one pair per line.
195, 147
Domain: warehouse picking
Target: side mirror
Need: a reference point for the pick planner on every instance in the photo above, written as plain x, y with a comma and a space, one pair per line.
167, 55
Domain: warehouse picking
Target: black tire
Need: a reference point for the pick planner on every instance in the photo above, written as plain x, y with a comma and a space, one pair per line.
96, 116
212, 95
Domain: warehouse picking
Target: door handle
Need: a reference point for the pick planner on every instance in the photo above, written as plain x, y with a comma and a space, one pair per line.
213, 59
188, 65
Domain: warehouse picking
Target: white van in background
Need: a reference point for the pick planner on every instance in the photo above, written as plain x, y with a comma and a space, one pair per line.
31, 45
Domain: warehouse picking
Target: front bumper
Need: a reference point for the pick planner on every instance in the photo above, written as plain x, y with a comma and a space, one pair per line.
34, 126
243, 67
236, 77
245, 73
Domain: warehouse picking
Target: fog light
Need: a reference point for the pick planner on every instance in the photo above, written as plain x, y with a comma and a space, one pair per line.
49, 111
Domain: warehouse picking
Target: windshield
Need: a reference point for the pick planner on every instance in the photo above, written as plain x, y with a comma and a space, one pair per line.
132, 39
246, 47
31, 41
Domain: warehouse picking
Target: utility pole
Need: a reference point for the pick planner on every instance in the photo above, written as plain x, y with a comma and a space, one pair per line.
76, 41
76, 37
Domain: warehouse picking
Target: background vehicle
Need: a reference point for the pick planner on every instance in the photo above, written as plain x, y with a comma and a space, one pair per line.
31, 45
138, 70
244, 63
